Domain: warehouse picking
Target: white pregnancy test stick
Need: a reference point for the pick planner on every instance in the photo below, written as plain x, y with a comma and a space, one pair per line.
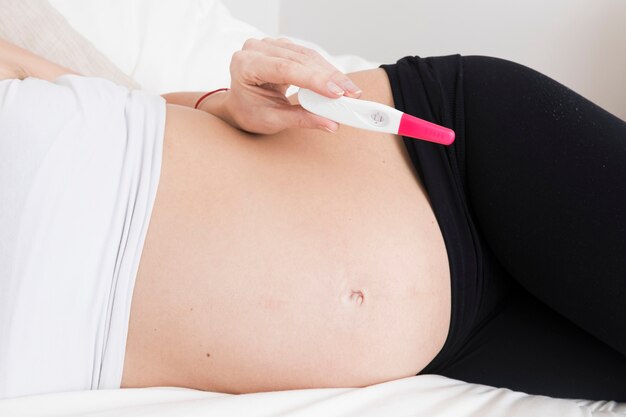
373, 116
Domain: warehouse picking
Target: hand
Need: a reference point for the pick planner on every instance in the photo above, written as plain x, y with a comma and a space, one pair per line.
261, 73
10, 71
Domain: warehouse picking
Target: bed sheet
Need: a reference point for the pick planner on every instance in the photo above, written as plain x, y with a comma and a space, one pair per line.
173, 46
426, 395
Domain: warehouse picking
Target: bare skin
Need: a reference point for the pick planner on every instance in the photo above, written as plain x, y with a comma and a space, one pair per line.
294, 260
298, 259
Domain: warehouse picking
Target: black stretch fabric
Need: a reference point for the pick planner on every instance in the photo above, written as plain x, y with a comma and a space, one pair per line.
531, 202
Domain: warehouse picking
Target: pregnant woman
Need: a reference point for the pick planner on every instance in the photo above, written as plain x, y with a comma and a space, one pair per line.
229, 248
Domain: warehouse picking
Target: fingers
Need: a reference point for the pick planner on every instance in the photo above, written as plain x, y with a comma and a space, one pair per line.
301, 50
296, 116
11, 71
279, 61
268, 112
260, 74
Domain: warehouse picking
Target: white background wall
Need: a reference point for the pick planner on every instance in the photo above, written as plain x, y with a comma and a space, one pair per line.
580, 43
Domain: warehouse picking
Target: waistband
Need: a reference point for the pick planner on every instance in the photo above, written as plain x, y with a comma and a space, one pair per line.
432, 89
145, 123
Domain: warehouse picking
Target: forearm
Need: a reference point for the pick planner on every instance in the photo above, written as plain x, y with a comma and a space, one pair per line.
28, 64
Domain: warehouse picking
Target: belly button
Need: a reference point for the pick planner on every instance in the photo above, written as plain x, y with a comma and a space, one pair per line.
354, 297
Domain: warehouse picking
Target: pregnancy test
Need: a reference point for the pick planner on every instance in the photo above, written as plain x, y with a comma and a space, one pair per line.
374, 116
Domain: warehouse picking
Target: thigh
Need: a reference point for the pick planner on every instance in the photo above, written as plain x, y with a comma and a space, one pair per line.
546, 172
529, 347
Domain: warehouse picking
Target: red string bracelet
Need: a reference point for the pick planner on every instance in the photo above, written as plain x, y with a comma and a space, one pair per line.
208, 94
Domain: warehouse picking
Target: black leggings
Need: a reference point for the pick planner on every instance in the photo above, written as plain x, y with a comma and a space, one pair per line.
531, 201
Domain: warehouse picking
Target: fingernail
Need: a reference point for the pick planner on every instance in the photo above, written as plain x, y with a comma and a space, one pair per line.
351, 87
334, 88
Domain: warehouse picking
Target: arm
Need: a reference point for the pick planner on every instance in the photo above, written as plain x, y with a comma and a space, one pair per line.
20, 63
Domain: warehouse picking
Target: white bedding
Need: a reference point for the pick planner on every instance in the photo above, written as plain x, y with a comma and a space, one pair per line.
170, 45
174, 46
426, 395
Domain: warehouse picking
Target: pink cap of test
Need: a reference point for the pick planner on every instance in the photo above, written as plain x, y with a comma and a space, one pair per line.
421, 129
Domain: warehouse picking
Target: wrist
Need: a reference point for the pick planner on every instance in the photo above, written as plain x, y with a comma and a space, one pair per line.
210, 93
216, 104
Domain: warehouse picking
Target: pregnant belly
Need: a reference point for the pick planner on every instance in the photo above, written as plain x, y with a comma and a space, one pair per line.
297, 260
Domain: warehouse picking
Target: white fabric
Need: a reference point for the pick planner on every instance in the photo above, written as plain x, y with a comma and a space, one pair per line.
172, 45
426, 395
37, 26
80, 161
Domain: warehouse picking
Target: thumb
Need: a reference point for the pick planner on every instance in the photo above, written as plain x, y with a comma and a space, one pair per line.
296, 116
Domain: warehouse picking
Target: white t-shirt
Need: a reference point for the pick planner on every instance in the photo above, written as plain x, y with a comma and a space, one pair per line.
80, 160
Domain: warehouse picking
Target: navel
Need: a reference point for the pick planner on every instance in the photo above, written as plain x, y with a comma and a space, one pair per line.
354, 297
